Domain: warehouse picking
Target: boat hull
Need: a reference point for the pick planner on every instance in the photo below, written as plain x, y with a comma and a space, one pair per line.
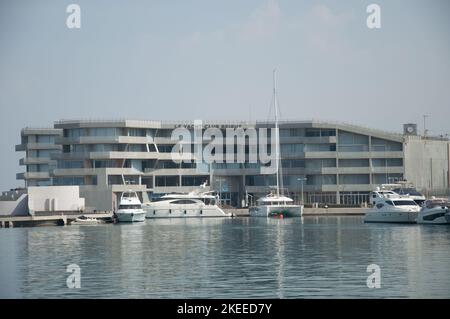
391, 217
438, 215
184, 213
87, 223
277, 211
129, 217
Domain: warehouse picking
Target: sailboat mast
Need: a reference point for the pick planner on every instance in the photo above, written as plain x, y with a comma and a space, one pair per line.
277, 142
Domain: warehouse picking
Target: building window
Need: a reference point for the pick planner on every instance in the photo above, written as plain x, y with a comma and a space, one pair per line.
166, 181
354, 162
137, 132
319, 179
105, 131
354, 179
380, 145
292, 148
387, 162
71, 180
193, 180
47, 139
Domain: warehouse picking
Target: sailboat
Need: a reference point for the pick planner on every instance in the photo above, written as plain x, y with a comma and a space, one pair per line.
276, 204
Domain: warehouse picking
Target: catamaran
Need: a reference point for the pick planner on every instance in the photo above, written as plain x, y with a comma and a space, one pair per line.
276, 204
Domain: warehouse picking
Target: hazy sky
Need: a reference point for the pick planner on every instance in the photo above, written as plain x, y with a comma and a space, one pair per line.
212, 59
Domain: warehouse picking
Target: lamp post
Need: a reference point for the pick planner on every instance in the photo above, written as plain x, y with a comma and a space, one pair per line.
302, 180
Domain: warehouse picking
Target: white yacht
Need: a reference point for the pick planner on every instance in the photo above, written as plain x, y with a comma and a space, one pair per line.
130, 208
193, 204
434, 211
389, 207
276, 205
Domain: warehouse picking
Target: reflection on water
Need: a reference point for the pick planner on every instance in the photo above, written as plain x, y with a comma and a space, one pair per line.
227, 258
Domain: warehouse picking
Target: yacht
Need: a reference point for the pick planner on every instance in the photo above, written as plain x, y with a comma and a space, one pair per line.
434, 211
276, 204
194, 204
130, 208
389, 207
85, 220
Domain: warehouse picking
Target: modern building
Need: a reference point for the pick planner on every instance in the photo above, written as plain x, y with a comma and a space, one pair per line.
38, 145
330, 163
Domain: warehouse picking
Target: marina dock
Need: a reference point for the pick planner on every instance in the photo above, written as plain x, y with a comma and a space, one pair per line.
53, 219
332, 211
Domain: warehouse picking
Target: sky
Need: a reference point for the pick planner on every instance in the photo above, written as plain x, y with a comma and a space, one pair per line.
213, 60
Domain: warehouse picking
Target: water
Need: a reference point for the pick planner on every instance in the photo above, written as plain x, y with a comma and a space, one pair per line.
313, 257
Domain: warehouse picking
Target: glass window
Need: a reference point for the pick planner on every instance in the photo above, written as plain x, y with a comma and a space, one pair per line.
354, 162
404, 203
137, 132
164, 148
354, 179
312, 132
104, 131
162, 181
292, 148
48, 139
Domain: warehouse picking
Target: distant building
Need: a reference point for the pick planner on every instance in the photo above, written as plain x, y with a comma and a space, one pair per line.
38, 145
341, 163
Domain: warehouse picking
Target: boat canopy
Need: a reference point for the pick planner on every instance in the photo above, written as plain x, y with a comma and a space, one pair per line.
274, 199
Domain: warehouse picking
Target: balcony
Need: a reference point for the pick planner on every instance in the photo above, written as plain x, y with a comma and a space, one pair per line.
387, 170
125, 188
33, 175
387, 154
37, 146
178, 189
105, 140
308, 140
35, 160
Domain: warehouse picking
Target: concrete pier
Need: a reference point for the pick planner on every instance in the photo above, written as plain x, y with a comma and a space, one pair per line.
55, 219
334, 211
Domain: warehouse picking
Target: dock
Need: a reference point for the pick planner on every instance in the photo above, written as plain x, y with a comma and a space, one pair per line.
308, 211
59, 219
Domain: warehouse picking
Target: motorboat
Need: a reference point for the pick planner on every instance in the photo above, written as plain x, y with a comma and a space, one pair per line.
389, 207
130, 208
434, 211
197, 203
276, 204
85, 220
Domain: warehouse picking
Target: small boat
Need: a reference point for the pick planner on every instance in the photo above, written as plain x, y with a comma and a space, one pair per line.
389, 207
130, 208
435, 211
85, 220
